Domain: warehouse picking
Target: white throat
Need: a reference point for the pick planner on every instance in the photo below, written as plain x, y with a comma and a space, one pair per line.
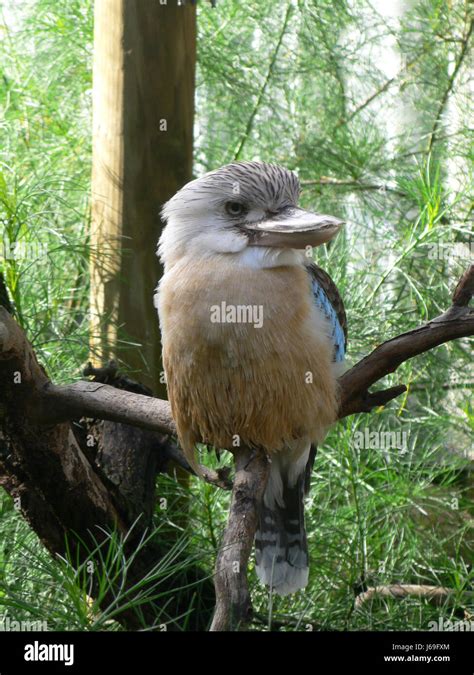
202, 240
260, 257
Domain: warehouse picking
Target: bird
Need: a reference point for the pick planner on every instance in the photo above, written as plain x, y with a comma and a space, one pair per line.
253, 337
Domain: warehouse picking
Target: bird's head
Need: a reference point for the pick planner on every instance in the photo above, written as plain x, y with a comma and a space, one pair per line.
248, 208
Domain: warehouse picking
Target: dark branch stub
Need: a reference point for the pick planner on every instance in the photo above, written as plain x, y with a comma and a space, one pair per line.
465, 289
456, 322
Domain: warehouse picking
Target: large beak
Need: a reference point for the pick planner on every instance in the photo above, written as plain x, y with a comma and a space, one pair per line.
293, 227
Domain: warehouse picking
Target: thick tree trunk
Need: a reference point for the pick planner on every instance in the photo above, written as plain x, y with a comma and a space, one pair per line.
143, 105
73, 491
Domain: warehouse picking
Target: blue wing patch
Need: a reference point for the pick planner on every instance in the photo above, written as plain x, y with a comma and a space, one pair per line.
324, 305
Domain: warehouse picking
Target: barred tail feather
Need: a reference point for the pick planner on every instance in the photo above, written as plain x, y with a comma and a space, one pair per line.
281, 546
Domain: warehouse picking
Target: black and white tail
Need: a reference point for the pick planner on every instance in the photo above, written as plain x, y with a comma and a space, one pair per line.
281, 548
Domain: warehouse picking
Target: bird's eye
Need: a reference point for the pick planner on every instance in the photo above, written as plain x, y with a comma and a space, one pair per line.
235, 208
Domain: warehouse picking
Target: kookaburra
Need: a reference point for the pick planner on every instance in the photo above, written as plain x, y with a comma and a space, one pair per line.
253, 336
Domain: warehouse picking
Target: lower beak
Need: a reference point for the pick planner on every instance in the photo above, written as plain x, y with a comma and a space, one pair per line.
293, 227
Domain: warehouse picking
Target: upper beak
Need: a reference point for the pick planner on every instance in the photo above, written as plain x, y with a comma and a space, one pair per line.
293, 227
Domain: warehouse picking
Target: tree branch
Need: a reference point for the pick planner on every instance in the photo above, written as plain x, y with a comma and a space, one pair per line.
35, 412
457, 322
55, 404
435, 594
449, 88
266, 82
233, 605
377, 92
352, 184
72, 504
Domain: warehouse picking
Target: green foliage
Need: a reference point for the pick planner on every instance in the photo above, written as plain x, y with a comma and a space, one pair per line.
89, 593
45, 155
371, 108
